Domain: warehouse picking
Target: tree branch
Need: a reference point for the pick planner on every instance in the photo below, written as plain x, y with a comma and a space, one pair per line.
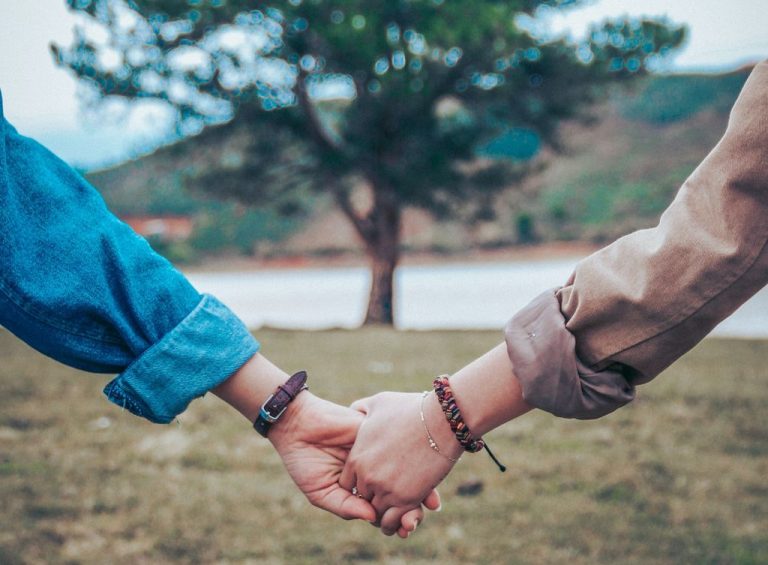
363, 226
316, 129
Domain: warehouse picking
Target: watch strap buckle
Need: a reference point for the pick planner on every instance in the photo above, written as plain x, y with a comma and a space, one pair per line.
277, 403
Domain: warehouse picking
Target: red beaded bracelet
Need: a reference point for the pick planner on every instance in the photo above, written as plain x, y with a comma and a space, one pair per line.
458, 425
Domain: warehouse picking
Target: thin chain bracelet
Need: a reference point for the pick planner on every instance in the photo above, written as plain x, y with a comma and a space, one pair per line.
432, 442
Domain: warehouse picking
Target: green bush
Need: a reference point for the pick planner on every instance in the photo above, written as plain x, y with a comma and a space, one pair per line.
672, 98
230, 227
177, 252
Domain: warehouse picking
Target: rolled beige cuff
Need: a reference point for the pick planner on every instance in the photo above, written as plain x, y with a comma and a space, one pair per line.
543, 355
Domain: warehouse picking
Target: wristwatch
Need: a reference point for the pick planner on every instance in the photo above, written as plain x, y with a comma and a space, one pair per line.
278, 401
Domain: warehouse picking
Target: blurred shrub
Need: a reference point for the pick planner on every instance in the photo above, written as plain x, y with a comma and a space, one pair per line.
672, 98
230, 227
525, 228
598, 209
177, 252
516, 143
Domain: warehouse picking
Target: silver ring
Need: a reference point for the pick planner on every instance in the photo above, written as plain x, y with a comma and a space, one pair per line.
356, 492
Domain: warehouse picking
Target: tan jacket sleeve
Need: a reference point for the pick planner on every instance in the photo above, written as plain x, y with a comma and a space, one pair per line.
631, 309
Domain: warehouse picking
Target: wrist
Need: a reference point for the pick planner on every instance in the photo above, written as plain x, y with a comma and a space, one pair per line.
488, 393
248, 388
275, 406
440, 429
290, 422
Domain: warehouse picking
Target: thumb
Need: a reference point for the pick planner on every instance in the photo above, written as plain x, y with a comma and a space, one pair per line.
433, 501
348, 506
358, 509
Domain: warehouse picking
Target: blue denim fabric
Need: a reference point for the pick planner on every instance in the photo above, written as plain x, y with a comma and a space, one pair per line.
80, 286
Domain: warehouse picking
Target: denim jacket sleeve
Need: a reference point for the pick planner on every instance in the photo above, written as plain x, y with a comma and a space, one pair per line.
80, 286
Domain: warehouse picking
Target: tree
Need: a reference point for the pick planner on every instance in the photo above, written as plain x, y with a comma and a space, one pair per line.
393, 95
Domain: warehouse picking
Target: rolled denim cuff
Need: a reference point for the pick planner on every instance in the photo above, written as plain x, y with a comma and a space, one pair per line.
543, 355
205, 349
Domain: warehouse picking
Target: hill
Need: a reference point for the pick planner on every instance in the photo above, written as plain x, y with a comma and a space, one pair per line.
615, 175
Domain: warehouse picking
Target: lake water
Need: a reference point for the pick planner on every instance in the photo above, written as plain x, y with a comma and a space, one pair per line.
455, 296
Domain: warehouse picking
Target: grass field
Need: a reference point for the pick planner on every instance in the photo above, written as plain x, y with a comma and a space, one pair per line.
679, 476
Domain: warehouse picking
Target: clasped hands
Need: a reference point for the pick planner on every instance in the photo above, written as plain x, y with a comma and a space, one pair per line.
381, 459
371, 461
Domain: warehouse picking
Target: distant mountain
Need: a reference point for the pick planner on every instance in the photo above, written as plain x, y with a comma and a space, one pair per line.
616, 175
158, 184
621, 174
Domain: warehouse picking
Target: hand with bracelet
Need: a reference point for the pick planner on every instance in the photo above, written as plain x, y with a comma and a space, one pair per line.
406, 445
312, 436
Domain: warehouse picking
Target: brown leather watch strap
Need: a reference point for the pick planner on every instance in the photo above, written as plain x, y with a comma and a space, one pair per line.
278, 401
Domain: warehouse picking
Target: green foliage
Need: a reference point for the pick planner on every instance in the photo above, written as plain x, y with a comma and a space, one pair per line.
517, 143
423, 84
400, 95
168, 182
594, 206
526, 232
229, 227
166, 196
623, 173
672, 98
177, 252
638, 184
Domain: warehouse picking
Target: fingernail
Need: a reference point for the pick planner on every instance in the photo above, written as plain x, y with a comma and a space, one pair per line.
415, 524
439, 508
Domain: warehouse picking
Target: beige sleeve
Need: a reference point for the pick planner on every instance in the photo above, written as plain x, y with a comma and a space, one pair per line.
632, 308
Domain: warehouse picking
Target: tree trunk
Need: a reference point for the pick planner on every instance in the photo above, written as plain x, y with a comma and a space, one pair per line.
383, 246
381, 300
380, 231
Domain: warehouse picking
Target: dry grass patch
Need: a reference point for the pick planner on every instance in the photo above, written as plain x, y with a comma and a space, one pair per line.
679, 476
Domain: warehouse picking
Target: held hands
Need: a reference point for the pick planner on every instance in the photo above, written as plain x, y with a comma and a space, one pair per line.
391, 449
392, 463
313, 439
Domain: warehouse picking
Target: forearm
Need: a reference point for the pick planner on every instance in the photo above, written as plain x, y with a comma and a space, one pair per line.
488, 392
636, 306
80, 286
651, 296
248, 388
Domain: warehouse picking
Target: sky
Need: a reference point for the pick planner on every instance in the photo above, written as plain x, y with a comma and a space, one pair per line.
43, 100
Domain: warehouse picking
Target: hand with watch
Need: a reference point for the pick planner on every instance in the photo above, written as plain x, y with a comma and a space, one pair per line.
312, 436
